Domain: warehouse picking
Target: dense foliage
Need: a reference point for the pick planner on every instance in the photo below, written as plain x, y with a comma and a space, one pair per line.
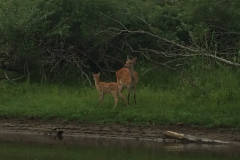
53, 40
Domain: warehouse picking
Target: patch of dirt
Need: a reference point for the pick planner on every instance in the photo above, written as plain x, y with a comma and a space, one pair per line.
152, 132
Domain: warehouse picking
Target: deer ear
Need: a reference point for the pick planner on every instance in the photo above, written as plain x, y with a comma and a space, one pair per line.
128, 57
98, 73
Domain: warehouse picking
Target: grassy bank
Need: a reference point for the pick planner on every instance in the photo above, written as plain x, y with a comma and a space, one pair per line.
156, 104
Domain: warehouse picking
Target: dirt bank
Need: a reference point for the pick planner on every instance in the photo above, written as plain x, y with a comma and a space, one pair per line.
153, 132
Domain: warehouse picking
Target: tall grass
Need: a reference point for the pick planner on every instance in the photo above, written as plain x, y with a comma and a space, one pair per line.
162, 98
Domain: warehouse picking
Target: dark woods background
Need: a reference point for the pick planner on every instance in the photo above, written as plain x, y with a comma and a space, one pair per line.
62, 40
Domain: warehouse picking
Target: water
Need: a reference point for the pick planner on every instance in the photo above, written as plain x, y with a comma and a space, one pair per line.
35, 147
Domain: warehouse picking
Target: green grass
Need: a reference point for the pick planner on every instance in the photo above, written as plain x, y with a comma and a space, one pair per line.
166, 99
81, 104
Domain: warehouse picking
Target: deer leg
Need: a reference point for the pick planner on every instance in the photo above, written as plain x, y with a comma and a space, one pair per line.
128, 94
116, 99
120, 91
134, 94
123, 98
101, 95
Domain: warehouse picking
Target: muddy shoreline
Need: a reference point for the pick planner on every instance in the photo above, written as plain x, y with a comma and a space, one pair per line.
125, 131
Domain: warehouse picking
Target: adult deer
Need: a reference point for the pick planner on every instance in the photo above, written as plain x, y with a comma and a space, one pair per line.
108, 87
128, 78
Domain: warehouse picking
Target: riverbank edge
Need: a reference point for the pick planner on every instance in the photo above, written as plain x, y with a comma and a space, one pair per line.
111, 130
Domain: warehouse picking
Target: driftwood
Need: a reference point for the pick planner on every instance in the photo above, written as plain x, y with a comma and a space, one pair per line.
189, 138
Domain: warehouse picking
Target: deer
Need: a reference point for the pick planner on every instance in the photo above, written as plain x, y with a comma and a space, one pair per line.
128, 78
108, 87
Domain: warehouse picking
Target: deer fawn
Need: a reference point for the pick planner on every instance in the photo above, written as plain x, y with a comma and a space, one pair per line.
128, 78
108, 87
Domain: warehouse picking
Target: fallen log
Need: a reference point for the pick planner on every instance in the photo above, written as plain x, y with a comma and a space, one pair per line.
190, 138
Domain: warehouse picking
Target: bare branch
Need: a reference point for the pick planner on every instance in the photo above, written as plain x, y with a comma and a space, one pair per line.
9, 78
